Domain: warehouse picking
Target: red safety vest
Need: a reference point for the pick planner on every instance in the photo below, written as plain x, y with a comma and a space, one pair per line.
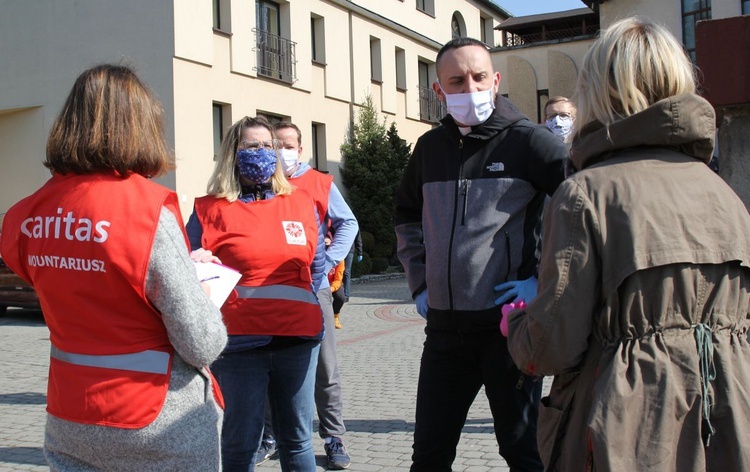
84, 242
272, 242
318, 185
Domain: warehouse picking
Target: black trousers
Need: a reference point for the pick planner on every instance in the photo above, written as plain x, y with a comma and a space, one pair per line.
462, 352
338, 300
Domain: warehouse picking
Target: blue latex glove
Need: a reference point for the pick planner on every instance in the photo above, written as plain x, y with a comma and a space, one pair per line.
516, 291
359, 258
421, 301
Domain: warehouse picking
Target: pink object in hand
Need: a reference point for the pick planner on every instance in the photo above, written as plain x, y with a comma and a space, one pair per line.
507, 308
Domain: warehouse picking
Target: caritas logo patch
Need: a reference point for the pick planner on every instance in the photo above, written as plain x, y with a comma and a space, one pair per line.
295, 232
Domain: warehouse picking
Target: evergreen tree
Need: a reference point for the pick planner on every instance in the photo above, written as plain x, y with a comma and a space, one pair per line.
373, 161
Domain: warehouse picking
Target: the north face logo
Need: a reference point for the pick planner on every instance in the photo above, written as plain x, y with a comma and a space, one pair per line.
496, 167
295, 232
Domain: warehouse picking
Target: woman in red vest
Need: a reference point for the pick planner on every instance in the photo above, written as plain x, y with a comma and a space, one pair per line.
255, 221
131, 329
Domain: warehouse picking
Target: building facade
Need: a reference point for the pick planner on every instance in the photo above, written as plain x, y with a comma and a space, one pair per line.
211, 62
539, 56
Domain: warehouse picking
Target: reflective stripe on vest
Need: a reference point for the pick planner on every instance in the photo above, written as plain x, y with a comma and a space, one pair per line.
152, 362
278, 292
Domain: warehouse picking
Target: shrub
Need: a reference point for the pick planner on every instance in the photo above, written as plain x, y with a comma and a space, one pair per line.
373, 162
360, 268
379, 265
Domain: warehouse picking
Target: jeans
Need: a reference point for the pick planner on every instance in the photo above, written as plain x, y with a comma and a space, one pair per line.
348, 274
287, 376
455, 364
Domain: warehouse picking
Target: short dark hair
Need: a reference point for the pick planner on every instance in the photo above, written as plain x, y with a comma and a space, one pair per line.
111, 122
459, 43
289, 124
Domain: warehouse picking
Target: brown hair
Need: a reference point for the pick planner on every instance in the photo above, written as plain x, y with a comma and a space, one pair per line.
289, 124
111, 122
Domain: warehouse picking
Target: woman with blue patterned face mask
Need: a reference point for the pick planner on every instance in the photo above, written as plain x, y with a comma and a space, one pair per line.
256, 159
256, 222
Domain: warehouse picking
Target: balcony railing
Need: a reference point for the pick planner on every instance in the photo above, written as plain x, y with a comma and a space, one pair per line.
512, 39
430, 107
276, 56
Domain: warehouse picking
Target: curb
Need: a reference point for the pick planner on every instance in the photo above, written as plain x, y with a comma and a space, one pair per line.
377, 277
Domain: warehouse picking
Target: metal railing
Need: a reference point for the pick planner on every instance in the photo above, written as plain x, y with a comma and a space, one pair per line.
276, 56
512, 39
430, 107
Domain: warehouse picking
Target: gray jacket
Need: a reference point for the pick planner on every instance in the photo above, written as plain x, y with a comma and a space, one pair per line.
467, 207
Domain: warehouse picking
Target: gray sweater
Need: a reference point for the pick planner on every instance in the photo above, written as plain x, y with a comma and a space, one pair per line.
186, 434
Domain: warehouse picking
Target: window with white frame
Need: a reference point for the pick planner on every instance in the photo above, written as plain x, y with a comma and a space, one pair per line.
276, 54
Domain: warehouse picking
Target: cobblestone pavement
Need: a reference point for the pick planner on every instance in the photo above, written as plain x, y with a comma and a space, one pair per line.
379, 349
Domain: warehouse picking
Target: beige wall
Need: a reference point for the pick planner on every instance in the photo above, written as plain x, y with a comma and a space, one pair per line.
46, 44
22, 151
668, 13
190, 66
524, 71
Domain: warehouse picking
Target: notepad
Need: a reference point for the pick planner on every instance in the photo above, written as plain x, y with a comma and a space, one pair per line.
220, 278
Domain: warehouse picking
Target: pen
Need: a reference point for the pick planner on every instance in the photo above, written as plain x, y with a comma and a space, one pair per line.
210, 278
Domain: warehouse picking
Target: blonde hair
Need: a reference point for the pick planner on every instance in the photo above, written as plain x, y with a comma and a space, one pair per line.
111, 122
225, 180
634, 64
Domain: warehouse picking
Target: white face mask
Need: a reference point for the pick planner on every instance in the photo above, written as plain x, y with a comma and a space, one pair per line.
289, 160
470, 109
560, 125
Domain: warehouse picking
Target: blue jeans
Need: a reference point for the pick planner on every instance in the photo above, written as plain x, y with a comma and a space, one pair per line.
348, 261
287, 376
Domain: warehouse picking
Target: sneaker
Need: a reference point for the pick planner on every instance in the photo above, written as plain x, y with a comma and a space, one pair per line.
336, 454
267, 450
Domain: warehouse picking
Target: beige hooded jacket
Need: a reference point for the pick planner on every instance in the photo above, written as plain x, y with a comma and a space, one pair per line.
642, 310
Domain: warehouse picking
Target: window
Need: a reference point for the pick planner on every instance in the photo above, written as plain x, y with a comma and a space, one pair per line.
400, 69
430, 107
426, 6
486, 31
220, 117
217, 13
746, 7
221, 15
317, 39
455, 28
276, 55
272, 118
693, 11
318, 138
376, 68
541, 98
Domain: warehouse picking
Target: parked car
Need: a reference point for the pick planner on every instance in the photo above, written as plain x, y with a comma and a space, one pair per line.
14, 291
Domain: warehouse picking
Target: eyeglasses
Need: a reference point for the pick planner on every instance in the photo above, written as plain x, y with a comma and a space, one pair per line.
253, 145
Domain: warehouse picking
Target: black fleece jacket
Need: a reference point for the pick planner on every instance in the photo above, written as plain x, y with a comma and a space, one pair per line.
467, 207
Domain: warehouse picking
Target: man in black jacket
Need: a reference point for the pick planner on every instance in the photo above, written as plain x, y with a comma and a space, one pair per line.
466, 210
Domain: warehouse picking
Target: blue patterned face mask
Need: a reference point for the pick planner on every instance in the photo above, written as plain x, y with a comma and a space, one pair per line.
256, 165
